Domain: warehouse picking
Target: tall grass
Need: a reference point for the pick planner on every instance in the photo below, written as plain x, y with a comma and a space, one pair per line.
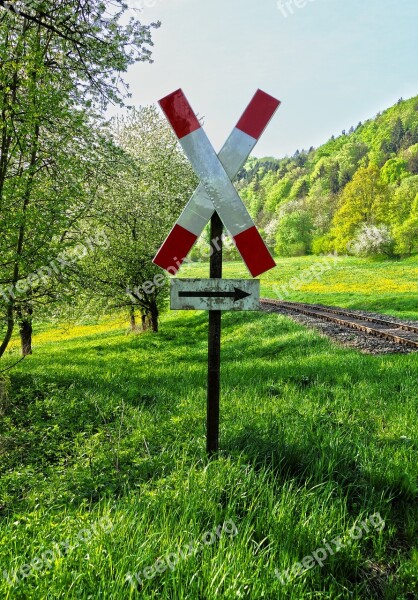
314, 440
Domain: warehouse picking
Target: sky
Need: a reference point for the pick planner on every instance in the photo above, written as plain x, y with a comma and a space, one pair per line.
332, 63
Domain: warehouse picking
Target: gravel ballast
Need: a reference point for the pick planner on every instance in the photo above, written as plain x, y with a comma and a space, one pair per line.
347, 336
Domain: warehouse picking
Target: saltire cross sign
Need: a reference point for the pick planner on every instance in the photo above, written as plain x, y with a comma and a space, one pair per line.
216, 191
216, 201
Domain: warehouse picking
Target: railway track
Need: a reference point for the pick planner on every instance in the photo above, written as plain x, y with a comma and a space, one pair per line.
400, 333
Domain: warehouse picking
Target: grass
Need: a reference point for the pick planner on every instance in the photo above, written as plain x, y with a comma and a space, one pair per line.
102, 451
381, 286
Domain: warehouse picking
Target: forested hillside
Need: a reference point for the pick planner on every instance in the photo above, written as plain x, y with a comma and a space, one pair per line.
356, 194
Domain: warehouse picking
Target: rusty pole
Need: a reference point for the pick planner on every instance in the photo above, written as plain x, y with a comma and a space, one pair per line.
214, 341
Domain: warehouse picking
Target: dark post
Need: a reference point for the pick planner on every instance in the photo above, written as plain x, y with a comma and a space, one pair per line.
214, 346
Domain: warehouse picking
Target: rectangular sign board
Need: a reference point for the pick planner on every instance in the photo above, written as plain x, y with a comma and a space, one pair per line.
215, 294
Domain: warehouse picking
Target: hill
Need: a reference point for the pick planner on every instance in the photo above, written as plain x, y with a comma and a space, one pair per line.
356, 194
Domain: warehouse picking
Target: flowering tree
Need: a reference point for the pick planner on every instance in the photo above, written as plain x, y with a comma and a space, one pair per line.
372, 240
60, 65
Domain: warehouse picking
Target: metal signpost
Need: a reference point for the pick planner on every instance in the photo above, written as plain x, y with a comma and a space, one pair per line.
217, 201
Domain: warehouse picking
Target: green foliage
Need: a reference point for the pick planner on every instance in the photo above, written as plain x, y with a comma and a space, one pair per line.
4, 394
412, 159
406, 232
363, 202
294, 234
402, 200
323, 245
278, 193
394, 170
406, 236
300, 189
322, 178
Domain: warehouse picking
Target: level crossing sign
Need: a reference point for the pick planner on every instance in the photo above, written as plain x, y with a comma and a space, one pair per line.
216, 191
216, 201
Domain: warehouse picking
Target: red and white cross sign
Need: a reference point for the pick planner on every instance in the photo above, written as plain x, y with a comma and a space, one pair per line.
216, 191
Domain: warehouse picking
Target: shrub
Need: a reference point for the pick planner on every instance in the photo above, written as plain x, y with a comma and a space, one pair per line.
323, 245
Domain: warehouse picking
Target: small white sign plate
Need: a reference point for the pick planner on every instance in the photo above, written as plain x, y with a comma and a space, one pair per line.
215, 294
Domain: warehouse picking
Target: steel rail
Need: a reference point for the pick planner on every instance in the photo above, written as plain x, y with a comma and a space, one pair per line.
352, 320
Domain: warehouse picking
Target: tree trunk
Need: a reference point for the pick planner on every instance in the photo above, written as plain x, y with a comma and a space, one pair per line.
6, 142
144, 322
10, 327
154, 314
132, 319
25, 330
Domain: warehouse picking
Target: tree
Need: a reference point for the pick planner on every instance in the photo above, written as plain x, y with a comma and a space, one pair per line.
60, 63
270, 232
372, 240
402, 200
334, 178
300, 189
406, 236
294, 234
321, 206
412, 159
394, 170
363, 202
351, 156
406, 233
150, 188
398, 133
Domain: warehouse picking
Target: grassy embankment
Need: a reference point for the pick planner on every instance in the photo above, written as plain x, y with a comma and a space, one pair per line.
315, 439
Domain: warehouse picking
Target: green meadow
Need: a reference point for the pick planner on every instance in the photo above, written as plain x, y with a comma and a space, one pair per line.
314, 493
387, 286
